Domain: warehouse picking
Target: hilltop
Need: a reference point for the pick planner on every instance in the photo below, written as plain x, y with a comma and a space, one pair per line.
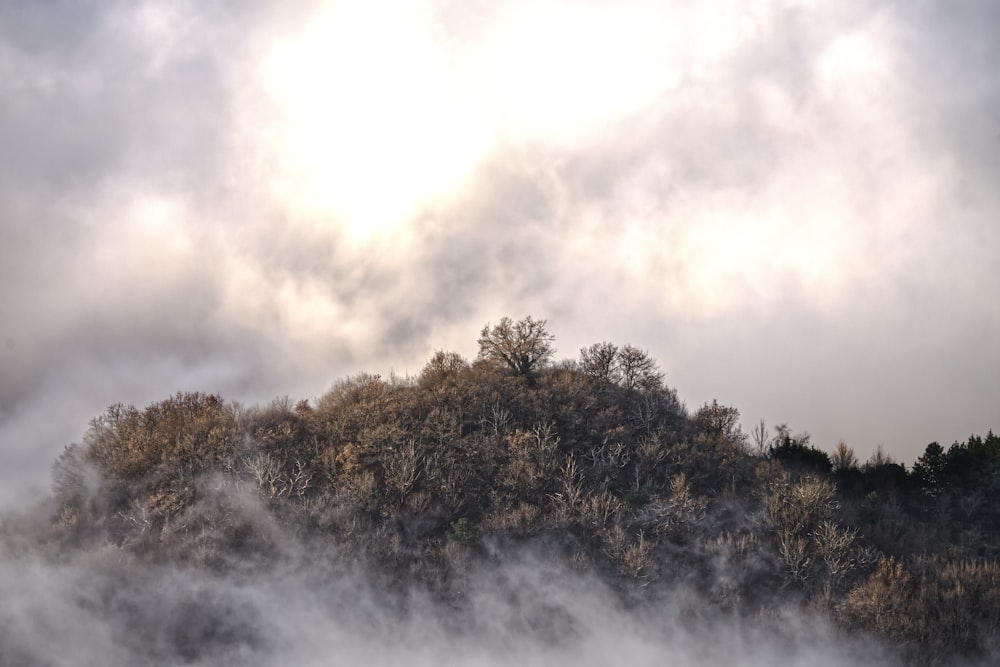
593, 464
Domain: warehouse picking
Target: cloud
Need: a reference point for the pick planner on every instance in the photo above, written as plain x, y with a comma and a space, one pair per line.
256, 200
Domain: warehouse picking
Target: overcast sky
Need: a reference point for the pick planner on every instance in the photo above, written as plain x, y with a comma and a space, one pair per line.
794, 206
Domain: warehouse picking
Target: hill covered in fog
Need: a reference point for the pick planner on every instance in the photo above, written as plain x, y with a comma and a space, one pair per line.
508, 508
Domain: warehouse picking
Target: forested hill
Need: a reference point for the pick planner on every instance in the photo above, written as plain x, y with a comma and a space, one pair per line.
594, 464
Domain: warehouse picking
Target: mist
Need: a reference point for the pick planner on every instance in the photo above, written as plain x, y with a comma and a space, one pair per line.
307, 604
791, 208
508, 510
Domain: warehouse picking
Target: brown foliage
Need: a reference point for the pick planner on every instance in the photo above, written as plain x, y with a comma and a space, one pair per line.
943, 606
422, 476
176, 437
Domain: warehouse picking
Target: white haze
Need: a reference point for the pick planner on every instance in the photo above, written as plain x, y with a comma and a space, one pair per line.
102, 606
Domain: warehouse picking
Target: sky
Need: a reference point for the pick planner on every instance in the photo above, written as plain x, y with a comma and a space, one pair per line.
793, 206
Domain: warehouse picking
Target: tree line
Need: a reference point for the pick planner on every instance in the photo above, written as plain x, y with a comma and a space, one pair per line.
595, 461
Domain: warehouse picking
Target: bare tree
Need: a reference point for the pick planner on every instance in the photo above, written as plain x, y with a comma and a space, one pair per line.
721, 422
835, 545
637, 369
274, 480
878, 459
761, 438
625, 366
522, 346
843, 458
599, 362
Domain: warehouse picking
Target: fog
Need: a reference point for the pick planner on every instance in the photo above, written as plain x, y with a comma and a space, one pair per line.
792, 206
306, 604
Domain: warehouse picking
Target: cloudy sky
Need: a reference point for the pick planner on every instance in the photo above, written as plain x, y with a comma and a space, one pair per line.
793, 205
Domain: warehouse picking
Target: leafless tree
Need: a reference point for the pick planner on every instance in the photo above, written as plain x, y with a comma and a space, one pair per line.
637, 369
522, 346
760, 437
599, 361
843, 457
878, 459
721, 422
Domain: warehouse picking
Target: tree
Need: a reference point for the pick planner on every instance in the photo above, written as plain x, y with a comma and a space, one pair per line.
599, 361
637, 369
721, 423
878, 459
844, 458
442, 366
795, 451
929, 468
626, 366
761, 439
522, 346
850, 479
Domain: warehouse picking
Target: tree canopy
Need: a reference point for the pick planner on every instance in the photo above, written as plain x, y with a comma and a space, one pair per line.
598, 458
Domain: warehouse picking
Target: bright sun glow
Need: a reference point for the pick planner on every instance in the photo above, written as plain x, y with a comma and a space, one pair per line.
373, 127
555, 70
388, 107
383, 113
